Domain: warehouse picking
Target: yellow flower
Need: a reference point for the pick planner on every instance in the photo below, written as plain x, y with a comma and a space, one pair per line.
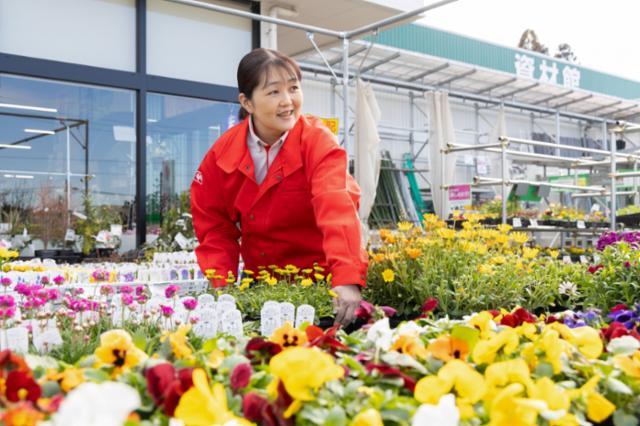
117, 349
387, 236
508, 408
553, 253
230, 278
555, 396
457, 375
215, 359
303, 371
271, 280
585, 338
318, 277
307, 282
446, 233
629, 364
292, 269
599, 408
68, 379
413, 253
287, 336
333, 294
485, 269
529, 253
483, 321
178, 342
504, 228
370, 417
485, 351
404, 226
8, 254
410, 345
498, 260
205, 406
502, 373
388, 275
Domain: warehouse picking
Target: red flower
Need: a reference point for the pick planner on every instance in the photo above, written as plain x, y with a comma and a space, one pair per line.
253, 406
617, 329
494, 312
240, 376
524, 316
385, 370
259, 346
594, 269
429, 305
619, 307
324, 339
365, 310
550, 319
509, 320
166, 387
21, 386
10, 361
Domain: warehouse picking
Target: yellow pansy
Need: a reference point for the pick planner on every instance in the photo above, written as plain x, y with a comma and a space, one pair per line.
68, 379
369, 417
455, 375
555, 396
215, 359
509, 408
205, 406
485, 351
483, 321
388, 275
117, 349
178, 342
410, 345
303, 371
599, 408
585, 338
505, 372
629, 364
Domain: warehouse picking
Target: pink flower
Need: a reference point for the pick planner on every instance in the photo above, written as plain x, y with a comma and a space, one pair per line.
126, 289
166, 310
240, 376
127, 299
171, 291
194, 319
59, 279
5, 281
190, 304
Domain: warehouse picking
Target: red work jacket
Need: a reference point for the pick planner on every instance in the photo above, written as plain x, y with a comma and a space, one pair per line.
304, 211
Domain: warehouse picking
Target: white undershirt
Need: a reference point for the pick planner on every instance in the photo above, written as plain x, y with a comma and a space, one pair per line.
262, 154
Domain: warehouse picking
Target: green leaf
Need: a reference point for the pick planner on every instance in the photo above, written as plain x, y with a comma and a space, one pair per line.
620, 418
50, 389
336, 417
468, 335
209, 345
97, 375
544, 369
140, 340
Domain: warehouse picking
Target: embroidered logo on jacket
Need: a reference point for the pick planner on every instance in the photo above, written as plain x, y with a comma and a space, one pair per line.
198, 177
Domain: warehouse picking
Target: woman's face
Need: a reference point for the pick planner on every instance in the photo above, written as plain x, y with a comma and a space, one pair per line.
274, 105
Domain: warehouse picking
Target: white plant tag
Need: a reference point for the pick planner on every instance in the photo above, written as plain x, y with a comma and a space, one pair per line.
287, 312
581, 224
596, 258
182, 241
533, 223
566, 259
232, 323
270, 320
305, 313
517, 222
207, 326
583, 259
206, 301
16, 340
48, 340
227, 298
116, 229
70, 235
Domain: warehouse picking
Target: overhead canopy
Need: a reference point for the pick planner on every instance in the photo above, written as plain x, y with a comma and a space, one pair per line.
417, 70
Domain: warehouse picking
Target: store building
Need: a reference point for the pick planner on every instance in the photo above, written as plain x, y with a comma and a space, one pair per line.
113, 103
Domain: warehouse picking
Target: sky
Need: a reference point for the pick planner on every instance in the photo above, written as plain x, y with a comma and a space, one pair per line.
604, 34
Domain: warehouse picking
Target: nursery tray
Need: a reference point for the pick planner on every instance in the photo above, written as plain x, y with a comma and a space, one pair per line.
629, 219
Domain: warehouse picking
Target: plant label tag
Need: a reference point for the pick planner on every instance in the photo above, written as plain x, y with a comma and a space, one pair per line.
182, 241
224, 307
583, 259
70, 235
232, 323
581, 224
517, 222
207, 327
227, 298
206, 301
48, 340
533, 223
305, 313
16, 339
287, 312
270, 320
596, 258
566, 259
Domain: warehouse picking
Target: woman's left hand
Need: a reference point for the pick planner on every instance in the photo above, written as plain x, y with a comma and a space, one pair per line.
348, 300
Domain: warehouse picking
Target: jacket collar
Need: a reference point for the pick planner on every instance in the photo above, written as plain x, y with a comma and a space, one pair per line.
233, 153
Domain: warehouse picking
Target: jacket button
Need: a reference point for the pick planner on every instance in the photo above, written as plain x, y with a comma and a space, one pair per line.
247, 168
278, 177
262, 254
251, 216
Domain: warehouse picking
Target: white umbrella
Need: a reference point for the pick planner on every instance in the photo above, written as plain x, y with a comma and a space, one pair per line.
367, 161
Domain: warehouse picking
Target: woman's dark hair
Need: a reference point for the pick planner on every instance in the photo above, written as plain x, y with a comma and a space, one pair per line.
254, 66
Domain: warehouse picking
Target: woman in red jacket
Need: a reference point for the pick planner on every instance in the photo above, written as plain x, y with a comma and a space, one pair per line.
275, 188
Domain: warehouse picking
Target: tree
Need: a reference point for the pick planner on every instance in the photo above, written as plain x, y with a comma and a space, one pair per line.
529, 41
565, 52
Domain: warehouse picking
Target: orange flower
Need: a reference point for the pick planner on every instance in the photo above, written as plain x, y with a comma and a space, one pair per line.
410, 345
287, 336
413, 253
22, 415
446, 348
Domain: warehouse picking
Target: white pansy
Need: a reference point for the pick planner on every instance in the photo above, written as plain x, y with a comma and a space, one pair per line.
625, 345
444, 414
380, 334
93, 404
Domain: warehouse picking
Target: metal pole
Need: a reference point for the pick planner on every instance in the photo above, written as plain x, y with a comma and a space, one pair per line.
263, 18
68, 177
504, 180
612, 143
411, 124
558, 132
345, 95
635, 183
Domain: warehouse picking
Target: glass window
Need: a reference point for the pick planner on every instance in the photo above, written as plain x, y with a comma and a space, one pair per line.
180, 132
202, 45
67, 151
100, 33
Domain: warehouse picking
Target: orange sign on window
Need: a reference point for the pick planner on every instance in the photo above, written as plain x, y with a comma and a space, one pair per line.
331, 123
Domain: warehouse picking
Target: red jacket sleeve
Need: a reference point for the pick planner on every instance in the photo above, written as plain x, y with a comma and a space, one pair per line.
335, 196
218, 235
